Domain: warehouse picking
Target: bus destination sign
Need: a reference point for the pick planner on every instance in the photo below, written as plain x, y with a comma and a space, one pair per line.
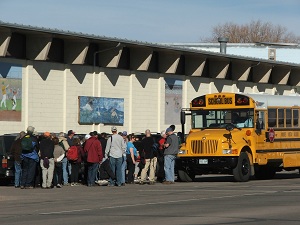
219, 101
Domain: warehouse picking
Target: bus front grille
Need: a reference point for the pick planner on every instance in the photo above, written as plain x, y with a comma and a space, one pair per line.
204, 146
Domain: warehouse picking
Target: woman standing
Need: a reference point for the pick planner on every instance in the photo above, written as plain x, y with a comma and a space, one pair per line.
76, 163
131, 155
59, 154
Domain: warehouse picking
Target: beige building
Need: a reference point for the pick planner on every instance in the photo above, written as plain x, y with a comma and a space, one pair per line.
54, 68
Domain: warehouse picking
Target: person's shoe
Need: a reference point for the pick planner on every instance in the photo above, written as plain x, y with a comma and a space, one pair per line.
166, 182
22, 187
172, 182
73, 184
29, 187
59, 186
66, 184
102, 182
142, 183
123, 184
151, 183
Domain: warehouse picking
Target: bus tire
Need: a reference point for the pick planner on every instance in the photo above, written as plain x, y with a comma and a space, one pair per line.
185, 175
264, 172
242, 171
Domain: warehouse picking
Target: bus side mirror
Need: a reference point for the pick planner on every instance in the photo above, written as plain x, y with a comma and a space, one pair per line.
259, 126
182, 117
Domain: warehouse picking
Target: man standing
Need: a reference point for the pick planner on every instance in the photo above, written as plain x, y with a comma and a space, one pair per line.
115, 149
94, 157
150, 159
16, 151
29, 158
171, 151
71, 134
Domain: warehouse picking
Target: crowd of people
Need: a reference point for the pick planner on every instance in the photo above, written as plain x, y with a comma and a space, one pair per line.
49, 160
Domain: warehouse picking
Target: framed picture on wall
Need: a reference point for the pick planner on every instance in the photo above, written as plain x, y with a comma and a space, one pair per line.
95, 110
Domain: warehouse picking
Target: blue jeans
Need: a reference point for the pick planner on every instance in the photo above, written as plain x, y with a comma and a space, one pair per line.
92, 173
18, 173
124, 165
169, 167
28, 172
116, 167
65, 170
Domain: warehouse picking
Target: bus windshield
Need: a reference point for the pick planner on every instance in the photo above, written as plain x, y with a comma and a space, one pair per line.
220, 118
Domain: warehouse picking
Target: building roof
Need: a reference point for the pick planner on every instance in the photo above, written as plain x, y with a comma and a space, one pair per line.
53, 45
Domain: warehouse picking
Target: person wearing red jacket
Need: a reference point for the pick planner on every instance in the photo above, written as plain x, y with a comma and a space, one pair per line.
94, 152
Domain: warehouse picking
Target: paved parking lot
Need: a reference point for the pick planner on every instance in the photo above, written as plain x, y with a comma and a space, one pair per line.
210, 200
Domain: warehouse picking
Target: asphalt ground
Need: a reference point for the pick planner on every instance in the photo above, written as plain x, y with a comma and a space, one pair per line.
210, 200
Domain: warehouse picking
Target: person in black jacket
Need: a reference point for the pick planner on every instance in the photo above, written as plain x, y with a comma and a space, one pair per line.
47, 160
150, 159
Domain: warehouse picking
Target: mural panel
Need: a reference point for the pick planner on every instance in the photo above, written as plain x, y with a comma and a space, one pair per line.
11, 91
101, 110
173, 100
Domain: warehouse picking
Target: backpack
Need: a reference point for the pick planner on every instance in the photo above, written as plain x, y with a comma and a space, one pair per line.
27, 144
155, 148
72, 154
61, 144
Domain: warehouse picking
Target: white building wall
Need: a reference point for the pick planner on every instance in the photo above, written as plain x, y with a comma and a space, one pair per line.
50, 96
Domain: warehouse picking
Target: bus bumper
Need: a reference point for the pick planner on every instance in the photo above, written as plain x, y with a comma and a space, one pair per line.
207, 164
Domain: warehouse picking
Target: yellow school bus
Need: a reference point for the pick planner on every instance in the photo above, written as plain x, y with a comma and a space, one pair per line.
240, 134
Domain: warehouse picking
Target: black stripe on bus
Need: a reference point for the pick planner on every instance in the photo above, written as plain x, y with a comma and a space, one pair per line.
278, 150
284, 139
286, 129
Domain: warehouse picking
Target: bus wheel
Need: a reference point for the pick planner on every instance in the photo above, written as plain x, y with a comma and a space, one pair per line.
241, 172
185, 175
264, 172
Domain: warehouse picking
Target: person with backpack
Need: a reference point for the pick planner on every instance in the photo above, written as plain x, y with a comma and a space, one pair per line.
64, 144
160, 157
93, 149
75, 156
29, 158
150, 159
47, 160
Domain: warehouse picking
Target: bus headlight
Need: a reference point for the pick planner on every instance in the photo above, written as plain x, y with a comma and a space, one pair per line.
230, 151
182, 152
227, 151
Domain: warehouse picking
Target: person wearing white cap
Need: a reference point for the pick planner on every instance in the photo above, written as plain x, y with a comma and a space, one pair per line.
115, 148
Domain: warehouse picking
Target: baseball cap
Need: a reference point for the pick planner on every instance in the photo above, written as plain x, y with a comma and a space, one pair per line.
71, 132
47, 134
169, 129
87, 136
124, 133
113, 128
30, 129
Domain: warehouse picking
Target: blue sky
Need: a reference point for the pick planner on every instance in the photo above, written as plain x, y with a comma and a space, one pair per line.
157, 21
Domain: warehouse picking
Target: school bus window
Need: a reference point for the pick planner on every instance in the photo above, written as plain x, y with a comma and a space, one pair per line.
272, 117
288, 115
295, 117
280, 117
